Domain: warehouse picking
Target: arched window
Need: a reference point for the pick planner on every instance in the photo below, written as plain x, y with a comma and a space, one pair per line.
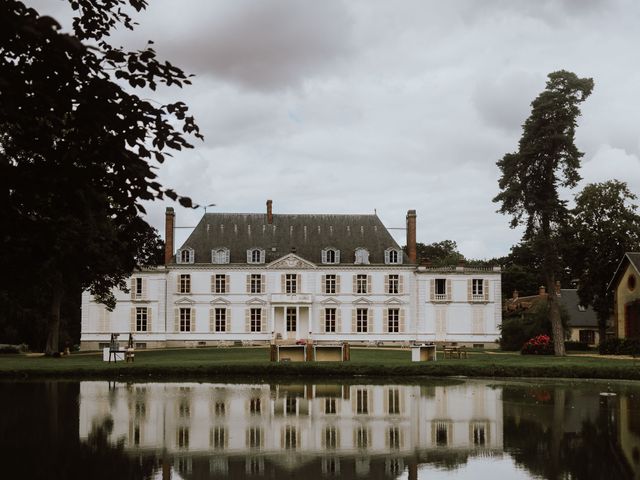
185, 255
220, 255
392, 255
255, 255
362, 256
330, 255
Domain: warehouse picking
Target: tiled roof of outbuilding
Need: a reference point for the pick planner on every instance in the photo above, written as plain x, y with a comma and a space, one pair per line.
307, 233
577, 318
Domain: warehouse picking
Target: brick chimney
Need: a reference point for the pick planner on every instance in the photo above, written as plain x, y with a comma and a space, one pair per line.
169, 224
411, 236
269, 212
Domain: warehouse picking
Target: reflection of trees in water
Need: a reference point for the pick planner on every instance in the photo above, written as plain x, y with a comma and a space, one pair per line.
39, 437
539, 437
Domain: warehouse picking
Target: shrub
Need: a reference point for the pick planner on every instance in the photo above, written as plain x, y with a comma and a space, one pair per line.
576, 346
540, 345
620, 346
519, 327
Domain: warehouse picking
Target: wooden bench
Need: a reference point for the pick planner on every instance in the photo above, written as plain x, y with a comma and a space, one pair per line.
454, 351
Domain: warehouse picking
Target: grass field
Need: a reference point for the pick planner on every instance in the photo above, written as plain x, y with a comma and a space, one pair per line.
370, 362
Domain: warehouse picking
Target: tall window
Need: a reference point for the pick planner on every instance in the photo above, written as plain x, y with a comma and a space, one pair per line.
330, 406
220, 319
255, 255
362, 401
394, 437
141, 319
362, 320
254, 438
185, 319
362, 438
218, 437
361, 284
477, 289
330, 284
291, 283
255, 283
291, 319
394, 401
256, 319
182, 437
393, 320
330, 437
255, 406
290, 437
186, 256
184, 284
394, 284
479, 435
330, 320
220, 283
392, 256
137, 288
441, 289
331, 256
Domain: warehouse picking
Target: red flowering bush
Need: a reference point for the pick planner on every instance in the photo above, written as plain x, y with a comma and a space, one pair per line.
540, 345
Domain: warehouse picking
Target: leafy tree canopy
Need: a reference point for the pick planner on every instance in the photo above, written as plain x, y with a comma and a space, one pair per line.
78, 151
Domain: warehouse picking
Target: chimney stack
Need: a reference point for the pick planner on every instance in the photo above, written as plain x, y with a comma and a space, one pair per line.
269, 212
411, 236
169, 224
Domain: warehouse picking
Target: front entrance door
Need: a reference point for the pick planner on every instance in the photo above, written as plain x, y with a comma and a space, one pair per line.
632, 319
290, 323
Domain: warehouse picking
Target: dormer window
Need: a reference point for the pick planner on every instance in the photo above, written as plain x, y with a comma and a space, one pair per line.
362, 256
330, 255
220, 255
392, 255
255, 255
185, 255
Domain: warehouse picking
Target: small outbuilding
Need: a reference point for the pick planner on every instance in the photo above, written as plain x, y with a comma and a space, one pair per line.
626, 305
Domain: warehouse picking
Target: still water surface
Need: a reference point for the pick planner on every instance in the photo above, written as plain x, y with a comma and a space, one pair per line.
473, 429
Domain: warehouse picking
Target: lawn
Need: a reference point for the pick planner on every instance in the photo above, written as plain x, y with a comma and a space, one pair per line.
209, 362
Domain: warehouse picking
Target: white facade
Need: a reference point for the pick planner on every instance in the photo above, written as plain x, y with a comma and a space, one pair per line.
210, 304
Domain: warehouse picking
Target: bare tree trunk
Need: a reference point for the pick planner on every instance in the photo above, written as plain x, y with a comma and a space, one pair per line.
557, 329
53, 326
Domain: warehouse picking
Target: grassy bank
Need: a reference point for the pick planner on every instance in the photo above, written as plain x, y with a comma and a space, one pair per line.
253, 362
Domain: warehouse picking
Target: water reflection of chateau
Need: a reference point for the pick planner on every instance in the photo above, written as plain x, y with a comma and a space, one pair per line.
346, 428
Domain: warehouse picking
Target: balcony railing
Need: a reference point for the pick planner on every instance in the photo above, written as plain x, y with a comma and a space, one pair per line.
299, 298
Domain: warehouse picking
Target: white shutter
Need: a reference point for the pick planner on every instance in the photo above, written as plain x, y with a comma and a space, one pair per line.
248, 283
355, 284
212, 320
132, 289
353, 321
323, 284
401, 324
227, 283
144, 288
385, 320
227, 254
227, 320
485, 290
299, 283
386, 284
432, 293
177, 320
449, 289
263, 319
323, 322
149, 321
369, 282
386, 256
470, 290
192, 323
283, 282
324, 255
248, 256
213, 284
370, 320
263, 283
247, 320
400, 284
337, 283
337, 256
338, 320
178, 284
132, 326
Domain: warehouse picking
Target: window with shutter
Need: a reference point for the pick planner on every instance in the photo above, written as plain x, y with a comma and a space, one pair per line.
141, 319
220, 255
393, 320
477, 290
362, 256
220, 317
184, 283
256, 319
330, 320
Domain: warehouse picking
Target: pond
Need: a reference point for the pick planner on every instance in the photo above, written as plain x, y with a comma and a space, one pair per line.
431, 429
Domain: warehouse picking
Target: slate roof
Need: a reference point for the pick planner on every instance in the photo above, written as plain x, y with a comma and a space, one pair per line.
633, 258
570, 300
308, 234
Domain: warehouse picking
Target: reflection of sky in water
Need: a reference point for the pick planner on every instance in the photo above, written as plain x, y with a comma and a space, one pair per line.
476, 469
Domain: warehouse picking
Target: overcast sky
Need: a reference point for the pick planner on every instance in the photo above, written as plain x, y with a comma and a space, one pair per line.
349, 106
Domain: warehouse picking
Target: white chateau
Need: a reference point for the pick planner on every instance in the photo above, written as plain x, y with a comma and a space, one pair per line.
260, 278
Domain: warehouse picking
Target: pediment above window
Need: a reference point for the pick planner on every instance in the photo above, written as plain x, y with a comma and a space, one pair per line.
220, 301
256, 301
185, 301
393, 301
330, 301
362, 301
